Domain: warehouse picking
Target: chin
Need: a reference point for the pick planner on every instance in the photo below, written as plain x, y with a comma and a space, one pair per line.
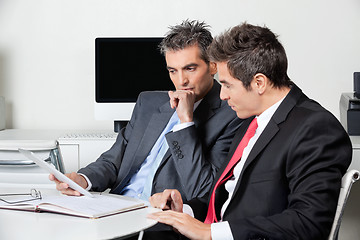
242, 115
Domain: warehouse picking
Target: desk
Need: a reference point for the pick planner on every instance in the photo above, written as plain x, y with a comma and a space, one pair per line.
43, 226
76, 152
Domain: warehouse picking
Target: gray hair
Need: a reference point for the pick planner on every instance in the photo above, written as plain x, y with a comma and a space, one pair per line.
188, 33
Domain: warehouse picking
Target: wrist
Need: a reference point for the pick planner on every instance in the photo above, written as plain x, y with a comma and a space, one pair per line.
185, 119
82, 181
207, 232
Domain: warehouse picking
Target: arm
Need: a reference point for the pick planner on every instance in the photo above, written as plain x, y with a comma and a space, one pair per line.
104, 171
204, 148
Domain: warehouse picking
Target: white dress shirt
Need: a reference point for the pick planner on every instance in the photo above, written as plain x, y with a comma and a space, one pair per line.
221, 230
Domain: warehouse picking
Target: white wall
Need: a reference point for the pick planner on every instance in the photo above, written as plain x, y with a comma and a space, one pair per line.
47, 48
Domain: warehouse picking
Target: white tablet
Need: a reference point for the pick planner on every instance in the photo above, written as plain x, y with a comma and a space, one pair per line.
51, 169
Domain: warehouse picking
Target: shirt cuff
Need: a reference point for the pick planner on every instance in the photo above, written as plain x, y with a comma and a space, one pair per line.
188, 210
87, 180
221, 231
181, 126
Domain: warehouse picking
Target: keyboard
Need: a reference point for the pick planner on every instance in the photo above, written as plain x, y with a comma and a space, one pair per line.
88, 136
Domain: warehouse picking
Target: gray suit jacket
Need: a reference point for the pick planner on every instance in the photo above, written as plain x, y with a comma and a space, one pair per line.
195, 153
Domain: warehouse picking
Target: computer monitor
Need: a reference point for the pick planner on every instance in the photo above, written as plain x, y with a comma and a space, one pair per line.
124, 67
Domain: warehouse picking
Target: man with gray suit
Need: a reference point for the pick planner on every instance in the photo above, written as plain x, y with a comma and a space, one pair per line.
176, 139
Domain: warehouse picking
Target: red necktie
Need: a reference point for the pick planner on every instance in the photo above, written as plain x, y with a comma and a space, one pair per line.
211, 215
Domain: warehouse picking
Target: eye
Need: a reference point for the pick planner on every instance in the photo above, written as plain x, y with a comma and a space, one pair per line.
191, 69
171, 71
225, 85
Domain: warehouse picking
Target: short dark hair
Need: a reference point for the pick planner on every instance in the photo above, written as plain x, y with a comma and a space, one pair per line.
249, 50
188, 33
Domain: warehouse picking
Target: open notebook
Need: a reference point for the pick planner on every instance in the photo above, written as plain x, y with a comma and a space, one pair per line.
100, 205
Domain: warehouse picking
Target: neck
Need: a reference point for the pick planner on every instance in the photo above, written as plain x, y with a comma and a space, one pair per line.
197, 98
272, 96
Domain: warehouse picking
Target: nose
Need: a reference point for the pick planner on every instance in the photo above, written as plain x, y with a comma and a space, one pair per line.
183, 79
223, 94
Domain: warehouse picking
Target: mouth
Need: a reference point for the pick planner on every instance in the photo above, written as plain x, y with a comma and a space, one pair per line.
233, 107
188, 89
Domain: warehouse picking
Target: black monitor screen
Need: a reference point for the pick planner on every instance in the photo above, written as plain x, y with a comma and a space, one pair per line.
124, 67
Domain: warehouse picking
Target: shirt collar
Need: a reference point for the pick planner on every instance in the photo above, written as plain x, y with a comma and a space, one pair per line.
264, 118
197, 104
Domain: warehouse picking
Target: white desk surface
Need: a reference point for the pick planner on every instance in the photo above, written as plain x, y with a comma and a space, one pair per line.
43, 226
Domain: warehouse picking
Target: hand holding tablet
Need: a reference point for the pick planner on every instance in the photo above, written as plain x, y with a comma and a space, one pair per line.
51, 169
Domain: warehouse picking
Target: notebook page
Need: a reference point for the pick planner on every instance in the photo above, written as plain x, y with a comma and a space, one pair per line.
96, 206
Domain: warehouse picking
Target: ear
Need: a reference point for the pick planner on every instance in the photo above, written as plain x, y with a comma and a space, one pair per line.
260, 83
213, 68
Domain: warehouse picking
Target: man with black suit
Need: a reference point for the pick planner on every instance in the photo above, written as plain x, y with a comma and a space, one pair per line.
281, 181
175, 139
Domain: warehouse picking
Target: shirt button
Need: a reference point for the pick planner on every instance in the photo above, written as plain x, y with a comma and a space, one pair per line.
175, 143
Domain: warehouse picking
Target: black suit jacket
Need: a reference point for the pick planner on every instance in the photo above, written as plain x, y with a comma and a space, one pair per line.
194, 154
289, 186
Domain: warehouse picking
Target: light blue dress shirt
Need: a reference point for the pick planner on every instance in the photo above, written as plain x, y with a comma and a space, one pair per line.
140, 183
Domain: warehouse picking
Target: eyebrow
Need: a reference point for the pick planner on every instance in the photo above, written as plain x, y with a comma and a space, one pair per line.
223, 81
184, 67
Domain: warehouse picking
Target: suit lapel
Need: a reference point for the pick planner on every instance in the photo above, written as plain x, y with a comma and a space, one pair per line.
157, 123
270, 130
268, 133
208, 106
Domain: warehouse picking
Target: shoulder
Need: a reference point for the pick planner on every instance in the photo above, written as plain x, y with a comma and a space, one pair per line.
307, 108
298, 107
309, 120
155, 98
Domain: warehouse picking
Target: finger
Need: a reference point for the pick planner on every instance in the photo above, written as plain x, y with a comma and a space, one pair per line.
61, 186
159, 200
70, 192
51, 177
162, 216
176, 201
171, 94
166, 199
173, 102
66, 190
171, 218
55, 180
